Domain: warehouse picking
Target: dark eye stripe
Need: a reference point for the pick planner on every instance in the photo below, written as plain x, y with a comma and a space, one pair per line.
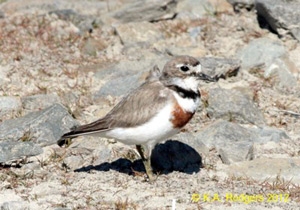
184, 68
196, 64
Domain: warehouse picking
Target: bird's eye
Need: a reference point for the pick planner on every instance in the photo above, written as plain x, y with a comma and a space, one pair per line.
184, 68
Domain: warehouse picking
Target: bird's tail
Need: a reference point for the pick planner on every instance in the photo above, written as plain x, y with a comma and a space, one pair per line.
95, 128
67, 137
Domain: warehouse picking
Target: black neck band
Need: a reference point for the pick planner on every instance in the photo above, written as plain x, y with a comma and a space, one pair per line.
185, 93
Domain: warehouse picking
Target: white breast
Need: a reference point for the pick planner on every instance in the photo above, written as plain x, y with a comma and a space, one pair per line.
188, 104
157, 129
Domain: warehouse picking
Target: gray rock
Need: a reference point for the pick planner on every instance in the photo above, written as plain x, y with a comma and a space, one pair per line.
194, 32
92, 149
276, 169
267, 134
220, 67
2, 15
143, 53
146, 10
73, 162
84, 15
193, 9
77, 12
83, 22
193, 50
9, 104
14, 205
280, 74
272, 58
31, 166
259, 52
62, 209
13, 150
239, 4
8, 196
233, 142
193, 141
92, 46
97, 155
233, 105
126, 75
44, 127
39, 102
4, 71
122, 84
131, 33
10, 7
101, 154
281, 14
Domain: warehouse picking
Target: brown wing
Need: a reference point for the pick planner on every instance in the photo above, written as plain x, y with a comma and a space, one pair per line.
135, 109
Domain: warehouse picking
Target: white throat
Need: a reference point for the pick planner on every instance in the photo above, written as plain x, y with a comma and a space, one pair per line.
188, 104
189, 83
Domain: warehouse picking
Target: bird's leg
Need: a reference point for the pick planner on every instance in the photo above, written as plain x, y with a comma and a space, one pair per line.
146, 162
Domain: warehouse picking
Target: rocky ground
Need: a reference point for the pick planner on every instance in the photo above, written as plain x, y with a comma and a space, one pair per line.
64, 63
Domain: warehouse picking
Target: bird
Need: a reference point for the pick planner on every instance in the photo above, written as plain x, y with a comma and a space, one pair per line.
153, 112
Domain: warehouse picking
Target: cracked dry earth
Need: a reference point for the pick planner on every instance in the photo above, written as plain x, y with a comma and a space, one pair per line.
43, 54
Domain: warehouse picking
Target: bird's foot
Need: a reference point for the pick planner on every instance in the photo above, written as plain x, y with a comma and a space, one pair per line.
151, 176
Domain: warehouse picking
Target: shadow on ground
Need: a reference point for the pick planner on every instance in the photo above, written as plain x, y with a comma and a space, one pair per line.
166, 158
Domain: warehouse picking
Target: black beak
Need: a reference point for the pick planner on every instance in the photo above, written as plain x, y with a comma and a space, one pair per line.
206, 78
